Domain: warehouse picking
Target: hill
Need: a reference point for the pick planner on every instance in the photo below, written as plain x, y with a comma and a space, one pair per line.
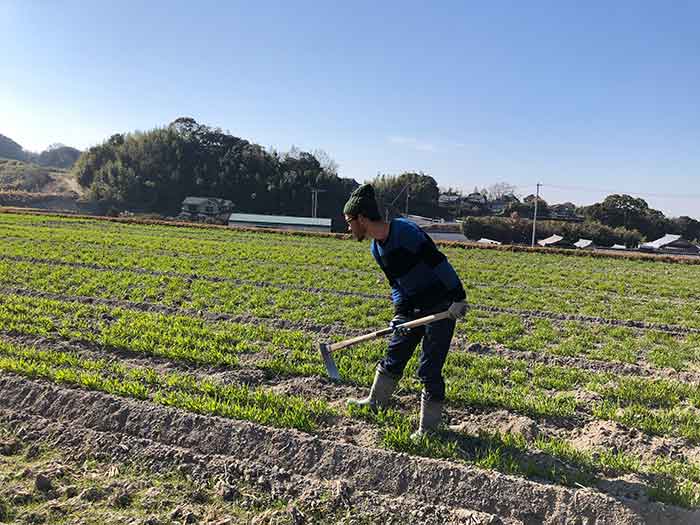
9, 149
17, 175
55, 156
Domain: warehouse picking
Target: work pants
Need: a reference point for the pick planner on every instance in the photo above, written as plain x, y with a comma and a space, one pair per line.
436, 339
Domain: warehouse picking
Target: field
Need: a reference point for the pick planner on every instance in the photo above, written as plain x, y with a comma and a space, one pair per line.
136, 357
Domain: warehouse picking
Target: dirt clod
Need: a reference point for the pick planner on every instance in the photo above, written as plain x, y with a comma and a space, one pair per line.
227, 492
43, 483
92, 494
21, 498
10, 447
120, 499
33, 452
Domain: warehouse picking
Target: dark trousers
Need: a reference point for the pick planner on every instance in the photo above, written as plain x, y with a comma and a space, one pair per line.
436, 342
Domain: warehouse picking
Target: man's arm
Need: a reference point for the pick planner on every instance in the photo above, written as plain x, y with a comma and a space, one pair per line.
425, 248
398, 298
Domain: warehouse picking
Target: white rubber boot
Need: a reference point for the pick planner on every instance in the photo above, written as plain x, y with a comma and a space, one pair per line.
430, 417
380, 393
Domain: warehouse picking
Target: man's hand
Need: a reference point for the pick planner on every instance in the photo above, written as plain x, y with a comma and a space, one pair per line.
399, 319
457, 310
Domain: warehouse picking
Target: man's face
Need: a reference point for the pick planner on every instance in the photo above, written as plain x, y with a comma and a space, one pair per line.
356, 227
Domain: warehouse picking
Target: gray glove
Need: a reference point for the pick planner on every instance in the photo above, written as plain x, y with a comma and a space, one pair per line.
399, 319
457, 310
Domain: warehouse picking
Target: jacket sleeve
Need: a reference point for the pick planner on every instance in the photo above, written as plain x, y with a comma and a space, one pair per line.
435, 259
398, 297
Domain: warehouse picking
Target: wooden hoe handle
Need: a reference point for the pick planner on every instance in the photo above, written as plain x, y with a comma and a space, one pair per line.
379, 333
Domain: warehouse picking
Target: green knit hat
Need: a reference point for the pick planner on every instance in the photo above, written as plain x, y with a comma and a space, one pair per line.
362, 201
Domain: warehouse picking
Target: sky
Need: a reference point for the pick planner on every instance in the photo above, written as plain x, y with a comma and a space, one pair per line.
587, 98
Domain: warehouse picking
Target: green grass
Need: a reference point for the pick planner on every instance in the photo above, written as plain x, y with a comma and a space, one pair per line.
172, 389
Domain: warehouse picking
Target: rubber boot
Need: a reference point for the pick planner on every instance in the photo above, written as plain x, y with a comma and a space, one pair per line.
430, 417
380, 393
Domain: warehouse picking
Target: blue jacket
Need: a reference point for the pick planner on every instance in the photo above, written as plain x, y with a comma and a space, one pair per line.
420, 276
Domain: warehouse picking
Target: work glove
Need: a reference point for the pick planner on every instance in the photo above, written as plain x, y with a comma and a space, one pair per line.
398, 320
457, 310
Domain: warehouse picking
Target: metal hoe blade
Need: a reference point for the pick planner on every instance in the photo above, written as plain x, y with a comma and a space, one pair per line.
329, 362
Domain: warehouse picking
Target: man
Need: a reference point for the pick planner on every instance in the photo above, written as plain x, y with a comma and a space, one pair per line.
422, 283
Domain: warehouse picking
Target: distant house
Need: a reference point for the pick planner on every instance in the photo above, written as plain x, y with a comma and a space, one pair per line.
555, 241
564, 212
670, 243
439, 229
445, 235
445, 201
476, 198
279, 222
498, 206
585, 244
484, 240
202, 207
423, 221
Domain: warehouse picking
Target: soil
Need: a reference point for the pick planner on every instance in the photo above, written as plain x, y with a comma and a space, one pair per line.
291, 464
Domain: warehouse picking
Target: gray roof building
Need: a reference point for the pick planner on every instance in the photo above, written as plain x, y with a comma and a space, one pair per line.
671, 243
280, 222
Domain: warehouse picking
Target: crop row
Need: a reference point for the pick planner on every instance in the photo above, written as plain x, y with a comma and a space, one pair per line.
594, 341
220, 265
180, 390
118, 254
598, 304
478, 266
672, 481
553, 286
657, 406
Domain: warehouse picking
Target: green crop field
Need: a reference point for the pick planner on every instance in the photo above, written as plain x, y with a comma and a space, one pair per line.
567, 371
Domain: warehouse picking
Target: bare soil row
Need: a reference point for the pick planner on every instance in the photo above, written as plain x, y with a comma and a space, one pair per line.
584, 431
290, 461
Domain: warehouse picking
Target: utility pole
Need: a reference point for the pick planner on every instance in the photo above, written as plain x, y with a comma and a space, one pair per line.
314, 200
391, 204
534, 217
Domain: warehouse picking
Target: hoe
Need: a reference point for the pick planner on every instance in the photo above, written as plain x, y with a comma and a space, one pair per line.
328, 348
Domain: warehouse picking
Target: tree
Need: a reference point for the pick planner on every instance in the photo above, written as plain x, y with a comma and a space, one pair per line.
155, 170
500, 190
630, 213
422, 191
328, 165
526, 209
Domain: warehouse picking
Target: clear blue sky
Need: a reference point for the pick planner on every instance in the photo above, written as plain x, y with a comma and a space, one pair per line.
593, 95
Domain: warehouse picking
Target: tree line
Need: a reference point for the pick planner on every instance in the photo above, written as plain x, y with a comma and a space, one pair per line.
517, 230
155, 170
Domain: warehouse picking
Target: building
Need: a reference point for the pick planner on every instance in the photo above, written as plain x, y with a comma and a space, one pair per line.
445, 201
424, 221
279, 222
564, 212
499, 205
204, 207
438, 229
555, 241
476, 198
484, 240
585, 244
670, 243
